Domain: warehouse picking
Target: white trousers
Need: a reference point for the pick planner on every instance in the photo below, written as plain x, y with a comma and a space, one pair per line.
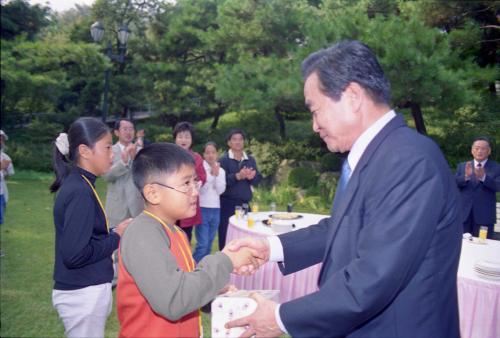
84, 311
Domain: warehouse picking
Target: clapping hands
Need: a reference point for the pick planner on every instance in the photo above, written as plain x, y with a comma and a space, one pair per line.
129, 153
246, 174
479, 172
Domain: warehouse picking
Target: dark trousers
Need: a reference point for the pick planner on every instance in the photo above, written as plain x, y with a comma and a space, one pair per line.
226, 210
473, 228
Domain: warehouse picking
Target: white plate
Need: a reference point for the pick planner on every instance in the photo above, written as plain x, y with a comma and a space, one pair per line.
488, 265
487, 276
487, 272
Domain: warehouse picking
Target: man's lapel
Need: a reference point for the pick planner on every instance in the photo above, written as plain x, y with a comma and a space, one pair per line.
353, 185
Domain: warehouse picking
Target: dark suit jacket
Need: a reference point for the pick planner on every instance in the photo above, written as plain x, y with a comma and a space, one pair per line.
390, 250
479, 197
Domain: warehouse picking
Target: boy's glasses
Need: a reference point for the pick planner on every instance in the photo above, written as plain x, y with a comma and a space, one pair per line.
186, 188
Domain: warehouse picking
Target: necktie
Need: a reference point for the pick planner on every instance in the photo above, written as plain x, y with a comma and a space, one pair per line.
342, 184
479, 165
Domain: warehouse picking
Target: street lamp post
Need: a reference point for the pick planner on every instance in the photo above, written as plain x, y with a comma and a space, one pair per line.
97, 32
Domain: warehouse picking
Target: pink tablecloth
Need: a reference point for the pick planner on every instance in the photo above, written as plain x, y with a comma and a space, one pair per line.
269, 277
478, 298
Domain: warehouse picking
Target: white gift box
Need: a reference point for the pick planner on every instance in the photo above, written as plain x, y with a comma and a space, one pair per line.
234, 305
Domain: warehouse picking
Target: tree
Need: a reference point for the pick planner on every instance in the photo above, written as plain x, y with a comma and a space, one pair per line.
48, 76
18, 17
181, 61
264, 47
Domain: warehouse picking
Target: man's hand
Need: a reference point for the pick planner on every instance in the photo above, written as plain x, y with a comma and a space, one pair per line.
479, 172
260, 249
242, 174
468, 170
250, 174
132, 150
261, 323
244, 257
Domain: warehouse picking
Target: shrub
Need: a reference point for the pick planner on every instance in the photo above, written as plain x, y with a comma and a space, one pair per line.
297, 150
36, 156
330, 162
302, 178
266, 157
31, 147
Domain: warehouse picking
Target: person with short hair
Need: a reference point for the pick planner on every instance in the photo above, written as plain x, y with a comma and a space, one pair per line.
241, 175
160, 287
122, 197
209, 202
84, 242
183, 134
391, 246
478, 181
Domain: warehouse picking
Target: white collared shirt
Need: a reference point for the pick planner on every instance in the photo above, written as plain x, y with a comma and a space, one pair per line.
483, 163
362, 142
230, 154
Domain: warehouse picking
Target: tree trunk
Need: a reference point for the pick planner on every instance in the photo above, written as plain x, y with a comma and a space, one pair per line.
218, 112
281, 122
416, 113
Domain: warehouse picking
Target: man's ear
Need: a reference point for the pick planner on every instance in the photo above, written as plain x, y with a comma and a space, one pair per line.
355, 94
116, 132
84, 151
151, 194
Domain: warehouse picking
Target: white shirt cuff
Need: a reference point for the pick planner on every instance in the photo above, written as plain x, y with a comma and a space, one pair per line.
278, 319
275, 249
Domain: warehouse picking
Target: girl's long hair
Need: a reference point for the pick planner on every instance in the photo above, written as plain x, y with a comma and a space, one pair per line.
85, 130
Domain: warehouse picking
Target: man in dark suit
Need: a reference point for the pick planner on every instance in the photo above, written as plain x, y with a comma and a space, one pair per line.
391, 247
478, 181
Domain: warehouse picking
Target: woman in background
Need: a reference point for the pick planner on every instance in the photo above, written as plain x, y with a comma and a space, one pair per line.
184, 135
209, 202
83, 268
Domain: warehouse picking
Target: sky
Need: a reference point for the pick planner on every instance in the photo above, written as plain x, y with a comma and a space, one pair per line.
61, 5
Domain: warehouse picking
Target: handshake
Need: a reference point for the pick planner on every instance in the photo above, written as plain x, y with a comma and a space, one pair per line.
247, 254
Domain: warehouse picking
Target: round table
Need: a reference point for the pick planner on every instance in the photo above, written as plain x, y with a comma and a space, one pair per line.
269, 277
478, 298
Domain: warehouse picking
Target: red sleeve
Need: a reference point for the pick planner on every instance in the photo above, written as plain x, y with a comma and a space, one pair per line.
200, 171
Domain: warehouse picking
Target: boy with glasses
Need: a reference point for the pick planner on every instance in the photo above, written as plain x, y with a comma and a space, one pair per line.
160, 287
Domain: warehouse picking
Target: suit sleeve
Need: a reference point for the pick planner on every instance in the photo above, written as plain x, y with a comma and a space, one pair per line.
460, 175
398, 224
304, 247
118, 168
492, 179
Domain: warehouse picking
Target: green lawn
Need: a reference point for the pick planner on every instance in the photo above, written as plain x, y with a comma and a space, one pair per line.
27, 239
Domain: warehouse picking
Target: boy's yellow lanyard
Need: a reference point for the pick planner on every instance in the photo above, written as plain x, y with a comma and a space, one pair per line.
98, 200
185, 251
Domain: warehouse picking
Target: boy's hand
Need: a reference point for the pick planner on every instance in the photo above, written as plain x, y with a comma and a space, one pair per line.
244, 257
260, 247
